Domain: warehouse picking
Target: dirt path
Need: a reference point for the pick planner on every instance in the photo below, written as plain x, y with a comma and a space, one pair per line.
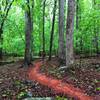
57, 85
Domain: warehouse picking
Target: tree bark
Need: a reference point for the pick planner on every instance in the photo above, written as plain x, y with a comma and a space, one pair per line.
44, 28
61, 48
77, 14
1, 42
28, 34
69, 33
52, 30
77, 23
96, 31
32, 36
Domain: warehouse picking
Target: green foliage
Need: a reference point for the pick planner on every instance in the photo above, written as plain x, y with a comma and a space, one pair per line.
22, 95
98, 88
14, 28
14, 32
89, 22
61, 98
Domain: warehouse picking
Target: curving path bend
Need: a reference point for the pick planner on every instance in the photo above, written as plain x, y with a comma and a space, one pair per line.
55, 84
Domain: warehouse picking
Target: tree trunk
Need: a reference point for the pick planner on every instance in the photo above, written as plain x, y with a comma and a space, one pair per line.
61, 50
96, 31
44, 27
32, 36
52, 30
77, 14
28, 31
1, 42
77, 24
69, 33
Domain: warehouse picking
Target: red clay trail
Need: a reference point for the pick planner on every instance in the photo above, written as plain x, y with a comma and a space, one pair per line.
56, 85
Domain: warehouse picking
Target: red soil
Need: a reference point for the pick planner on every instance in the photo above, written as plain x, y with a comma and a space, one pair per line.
57, 85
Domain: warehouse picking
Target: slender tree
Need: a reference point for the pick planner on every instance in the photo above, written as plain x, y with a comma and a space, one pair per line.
44, 28
4, 17
61, 50
77, 14
32, 36
52, 30
69, 32
78, 28
96, 30
28, 34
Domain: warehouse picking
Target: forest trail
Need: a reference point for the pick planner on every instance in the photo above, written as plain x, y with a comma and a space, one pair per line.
57, 85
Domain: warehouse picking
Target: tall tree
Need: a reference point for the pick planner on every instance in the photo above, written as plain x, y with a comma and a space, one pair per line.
69, 32
44, 28
78, 27
61, 49
77, 14
77, 20
4, 15
96, 29
28, 33
52, 29
32, 36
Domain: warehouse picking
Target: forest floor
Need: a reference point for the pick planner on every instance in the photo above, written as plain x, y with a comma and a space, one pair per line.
15, 83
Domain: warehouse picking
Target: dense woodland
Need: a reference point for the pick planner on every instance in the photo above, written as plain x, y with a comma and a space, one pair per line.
63, 34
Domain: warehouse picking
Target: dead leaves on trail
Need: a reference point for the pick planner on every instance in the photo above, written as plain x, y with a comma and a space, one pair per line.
80, 75
15, 84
